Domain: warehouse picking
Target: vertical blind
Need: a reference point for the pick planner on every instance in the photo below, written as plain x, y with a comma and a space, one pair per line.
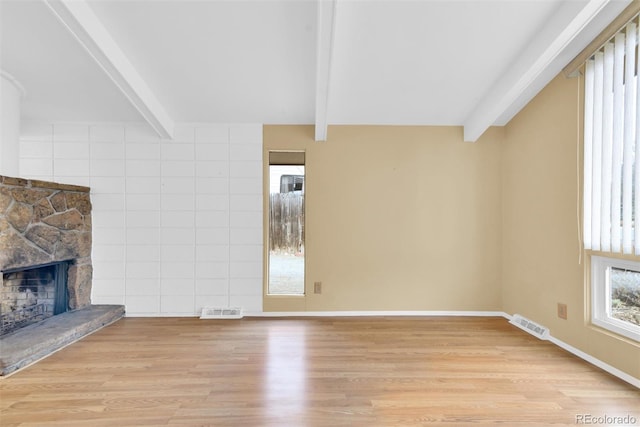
612, 146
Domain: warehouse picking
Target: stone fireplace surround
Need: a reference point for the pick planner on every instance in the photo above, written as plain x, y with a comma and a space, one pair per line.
40, 223
44, 222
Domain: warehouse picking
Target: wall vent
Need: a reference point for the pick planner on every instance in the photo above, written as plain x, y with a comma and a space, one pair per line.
530, 327
221, 313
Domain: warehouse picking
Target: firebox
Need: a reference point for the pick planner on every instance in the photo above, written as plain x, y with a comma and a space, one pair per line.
31, 294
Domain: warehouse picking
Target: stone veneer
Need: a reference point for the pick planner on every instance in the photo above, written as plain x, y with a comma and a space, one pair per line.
43, 222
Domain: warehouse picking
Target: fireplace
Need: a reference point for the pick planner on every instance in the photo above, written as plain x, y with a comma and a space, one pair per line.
46, 271
29, 295
45, 250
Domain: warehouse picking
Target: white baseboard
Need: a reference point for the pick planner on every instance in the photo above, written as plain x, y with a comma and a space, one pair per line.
594, 361
373, 313
127, 314
460, 313
597, 362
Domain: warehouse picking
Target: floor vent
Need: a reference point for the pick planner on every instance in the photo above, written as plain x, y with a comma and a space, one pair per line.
529, 326
221, 313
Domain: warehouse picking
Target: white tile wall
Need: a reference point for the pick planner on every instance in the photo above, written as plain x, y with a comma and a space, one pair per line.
148, 305
245, 225
245, 203
177, 218
178, 304
107, 167
143, 168
143, 202
108, 185
115, 300
177, 168
108, 287
104, 202
206, 219
184, 133
212, 236
70, 167
106, 133
209, 300
212, 287
215, 134
104, 253
109, 270
143, 235
108, 236
177, 236
104, 217
177, 253
177, 224
177, 151
212, 270
37, 168
144, 252
207, 253
142, 219
178, 286
143, 151
212, 202
142, 185
177, 185
36, 151
71, 150
35, 131
247, 302
178, 202
141, 287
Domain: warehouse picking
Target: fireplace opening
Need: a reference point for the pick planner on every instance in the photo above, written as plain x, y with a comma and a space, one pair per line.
31, 294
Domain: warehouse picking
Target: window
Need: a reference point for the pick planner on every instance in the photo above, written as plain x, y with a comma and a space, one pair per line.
286, 224
611, 147
611, 197
615, 298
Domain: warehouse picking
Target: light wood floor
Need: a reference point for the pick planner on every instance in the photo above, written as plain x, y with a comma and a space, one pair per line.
312, 372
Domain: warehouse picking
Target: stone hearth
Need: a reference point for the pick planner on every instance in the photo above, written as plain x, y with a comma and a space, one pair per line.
34, 342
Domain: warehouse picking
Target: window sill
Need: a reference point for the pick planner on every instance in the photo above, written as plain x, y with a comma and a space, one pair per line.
611, 334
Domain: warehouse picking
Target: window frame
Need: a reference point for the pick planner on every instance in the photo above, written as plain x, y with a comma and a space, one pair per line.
285, 159
601, 296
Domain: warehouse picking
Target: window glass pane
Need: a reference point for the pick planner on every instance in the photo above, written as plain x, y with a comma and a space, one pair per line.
625, 295
286, 230
615, 291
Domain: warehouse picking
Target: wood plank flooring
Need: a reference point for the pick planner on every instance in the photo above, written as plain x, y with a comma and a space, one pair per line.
373, 371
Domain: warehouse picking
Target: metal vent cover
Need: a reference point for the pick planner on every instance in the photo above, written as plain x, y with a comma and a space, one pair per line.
221, 313
529, 326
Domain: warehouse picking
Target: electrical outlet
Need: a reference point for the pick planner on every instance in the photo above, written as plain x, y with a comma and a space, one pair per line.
317, 287
562, 310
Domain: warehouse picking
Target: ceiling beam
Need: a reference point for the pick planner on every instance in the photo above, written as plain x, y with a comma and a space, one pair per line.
78, 17
324, 45
518, 78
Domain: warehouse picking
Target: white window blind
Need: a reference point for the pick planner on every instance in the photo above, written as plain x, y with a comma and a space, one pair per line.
612, 146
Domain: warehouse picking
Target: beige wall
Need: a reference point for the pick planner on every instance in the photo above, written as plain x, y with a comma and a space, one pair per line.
412, 218
398, 218
541, 263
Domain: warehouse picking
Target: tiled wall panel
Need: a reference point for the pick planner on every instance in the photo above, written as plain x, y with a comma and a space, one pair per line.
177, 224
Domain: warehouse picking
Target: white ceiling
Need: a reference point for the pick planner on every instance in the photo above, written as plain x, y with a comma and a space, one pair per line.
472, 63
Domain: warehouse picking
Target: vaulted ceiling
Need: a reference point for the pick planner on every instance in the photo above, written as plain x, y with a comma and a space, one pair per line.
472, 63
